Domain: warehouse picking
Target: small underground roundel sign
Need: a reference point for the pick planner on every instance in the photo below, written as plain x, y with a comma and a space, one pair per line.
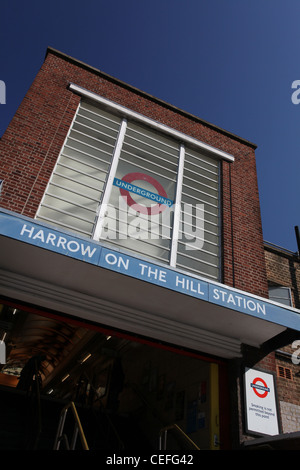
260, 387
260, 403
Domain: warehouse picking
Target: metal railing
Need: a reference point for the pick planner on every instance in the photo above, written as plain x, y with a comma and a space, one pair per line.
60, 436
163, 435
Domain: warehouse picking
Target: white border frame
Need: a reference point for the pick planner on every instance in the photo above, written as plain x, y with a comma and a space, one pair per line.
150, 122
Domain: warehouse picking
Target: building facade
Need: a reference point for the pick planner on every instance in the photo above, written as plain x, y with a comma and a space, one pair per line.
129, 223
284, 282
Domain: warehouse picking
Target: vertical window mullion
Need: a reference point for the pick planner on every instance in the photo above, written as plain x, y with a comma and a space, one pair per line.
110, 179
177, 207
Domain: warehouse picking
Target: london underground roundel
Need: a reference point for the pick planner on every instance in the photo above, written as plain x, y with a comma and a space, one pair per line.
160, 197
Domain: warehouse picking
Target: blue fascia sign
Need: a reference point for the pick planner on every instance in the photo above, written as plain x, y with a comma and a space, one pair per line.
35, 233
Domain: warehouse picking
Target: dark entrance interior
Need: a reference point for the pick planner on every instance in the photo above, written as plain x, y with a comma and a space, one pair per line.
125, 390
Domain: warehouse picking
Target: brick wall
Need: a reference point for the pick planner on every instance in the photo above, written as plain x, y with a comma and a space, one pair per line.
283, 268
30, 146
290, 416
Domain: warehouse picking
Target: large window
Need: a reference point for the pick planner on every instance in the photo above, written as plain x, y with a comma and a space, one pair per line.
138, 188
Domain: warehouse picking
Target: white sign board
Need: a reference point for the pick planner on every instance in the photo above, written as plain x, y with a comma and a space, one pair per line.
260, 403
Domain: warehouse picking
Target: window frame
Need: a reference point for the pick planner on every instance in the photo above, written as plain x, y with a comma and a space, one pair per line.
278, 299
126, 115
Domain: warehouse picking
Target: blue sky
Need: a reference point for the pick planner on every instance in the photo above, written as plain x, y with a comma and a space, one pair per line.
230, 62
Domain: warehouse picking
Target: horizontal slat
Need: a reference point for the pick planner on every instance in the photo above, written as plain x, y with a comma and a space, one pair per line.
198, 157
87, 175
135, 250
72, 191
68, 201
125, 150
201, 271
89, 119
68, 146
148, 170
75, 181
63, 224
90, 138
152, 147
70, 214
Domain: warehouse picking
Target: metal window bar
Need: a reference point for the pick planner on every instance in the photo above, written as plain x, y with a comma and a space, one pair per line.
198, 271
193, 188
77, 160
159, 223
196, 168
109, 183
142, 158
149, 257
69, 190
152, 152
85, 108
70, 214
197, 201
199, 157
68, 201
77, 149
190, 243
177, 211
80, 123
74, 180
199, 260
60, 436
80, 172
132, 131
90, 121
147, 169
153, 230
64, 225
84, 138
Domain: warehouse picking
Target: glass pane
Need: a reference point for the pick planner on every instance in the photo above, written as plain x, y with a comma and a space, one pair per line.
199, 244
143, 193
281, 295
77, 183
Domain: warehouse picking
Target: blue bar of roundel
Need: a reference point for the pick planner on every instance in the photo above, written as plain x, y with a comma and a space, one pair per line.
125, 185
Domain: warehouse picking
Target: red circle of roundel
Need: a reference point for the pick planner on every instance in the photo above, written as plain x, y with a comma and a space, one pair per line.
131, 202
265, 393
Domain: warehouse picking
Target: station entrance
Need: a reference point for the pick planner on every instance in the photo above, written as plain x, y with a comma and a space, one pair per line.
130, 392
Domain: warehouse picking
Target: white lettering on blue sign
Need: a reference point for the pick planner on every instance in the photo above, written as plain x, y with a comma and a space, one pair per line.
154, 274
92, 252
142, 192
187, 284
55, 240
113, 259
235, 300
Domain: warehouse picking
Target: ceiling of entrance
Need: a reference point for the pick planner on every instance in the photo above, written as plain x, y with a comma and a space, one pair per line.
61, 347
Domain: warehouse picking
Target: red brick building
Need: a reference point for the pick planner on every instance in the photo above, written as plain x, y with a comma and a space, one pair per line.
127, 221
